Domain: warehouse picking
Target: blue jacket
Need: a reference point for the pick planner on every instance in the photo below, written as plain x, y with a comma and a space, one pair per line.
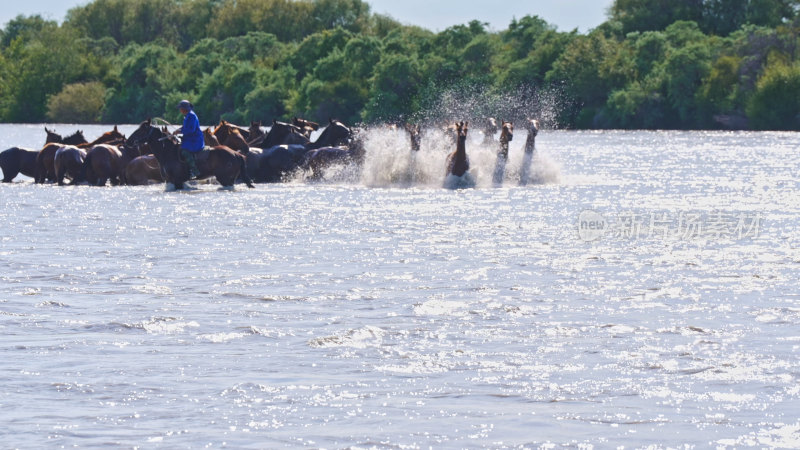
192, 134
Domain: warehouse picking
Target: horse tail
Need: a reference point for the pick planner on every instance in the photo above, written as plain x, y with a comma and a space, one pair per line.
85, 167
39, 172
243, 168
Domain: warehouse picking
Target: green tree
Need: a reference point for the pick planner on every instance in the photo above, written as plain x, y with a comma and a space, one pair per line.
590, 68
77, 103
723, 17
271, 96
394, 90
654, 15
775, 105
39, 68
720, 91
685, 70
22, 27
221, 94
147, 73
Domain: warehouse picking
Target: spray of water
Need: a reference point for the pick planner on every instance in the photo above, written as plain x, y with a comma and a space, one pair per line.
390, 162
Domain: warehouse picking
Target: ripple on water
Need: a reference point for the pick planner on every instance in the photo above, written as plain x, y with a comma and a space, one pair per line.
375, 308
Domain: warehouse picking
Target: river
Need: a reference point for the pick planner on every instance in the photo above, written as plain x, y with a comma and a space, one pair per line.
642, 292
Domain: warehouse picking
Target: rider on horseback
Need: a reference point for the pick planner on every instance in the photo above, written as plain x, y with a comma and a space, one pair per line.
192, 142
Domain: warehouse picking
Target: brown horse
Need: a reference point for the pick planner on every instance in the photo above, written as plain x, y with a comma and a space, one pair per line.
106, 162
458, 162
142, 171
530, 149
68, 162
44, 169
306, 126
237, 142
224, 129
209, 139
229, 136
110, 137
506, 136
224, 164
415, 133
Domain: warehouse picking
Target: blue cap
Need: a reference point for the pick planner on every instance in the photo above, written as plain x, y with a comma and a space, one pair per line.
185, 104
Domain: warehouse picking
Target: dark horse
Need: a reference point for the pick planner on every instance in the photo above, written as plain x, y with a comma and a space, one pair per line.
68, 162
530, 149
276, 162
326, 151
220, 162
256, 133
458, 162
18, 160
280, 134
44, 168
506, 136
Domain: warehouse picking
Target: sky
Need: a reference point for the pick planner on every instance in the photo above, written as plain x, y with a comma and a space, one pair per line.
433, 14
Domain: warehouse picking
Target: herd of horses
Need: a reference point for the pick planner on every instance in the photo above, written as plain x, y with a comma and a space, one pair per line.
151, 154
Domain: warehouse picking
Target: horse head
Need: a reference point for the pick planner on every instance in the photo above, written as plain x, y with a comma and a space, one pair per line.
461, 131
76, 138
508, 132
533, 126
336, 133
209, 138
140, 135
415, 132
306, 126
52, 136
237, 142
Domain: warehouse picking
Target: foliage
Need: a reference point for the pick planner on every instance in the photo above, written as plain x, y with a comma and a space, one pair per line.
77, 103
775, 105
653, 64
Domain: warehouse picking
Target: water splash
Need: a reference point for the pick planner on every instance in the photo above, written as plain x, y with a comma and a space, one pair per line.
390, 162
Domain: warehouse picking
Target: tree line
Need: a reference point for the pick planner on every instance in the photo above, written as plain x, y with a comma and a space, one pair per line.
676, 64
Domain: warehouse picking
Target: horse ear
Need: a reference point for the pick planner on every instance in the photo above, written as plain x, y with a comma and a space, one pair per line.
115, 129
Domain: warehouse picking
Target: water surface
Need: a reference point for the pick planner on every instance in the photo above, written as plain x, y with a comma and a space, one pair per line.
377, 309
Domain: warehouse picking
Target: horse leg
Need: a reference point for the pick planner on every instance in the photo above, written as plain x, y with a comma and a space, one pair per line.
527, 161
10, 170
225, 176
500, 169
9, 175
60, 176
